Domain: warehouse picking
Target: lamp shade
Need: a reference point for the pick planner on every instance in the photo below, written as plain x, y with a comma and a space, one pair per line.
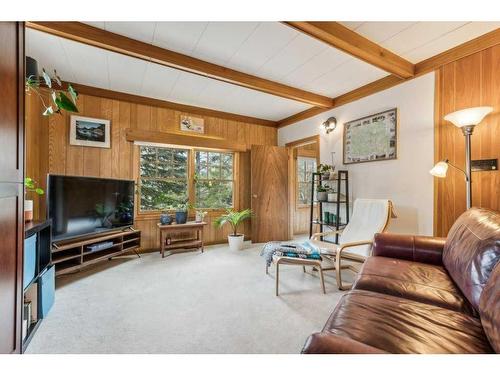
440, 169
468, 117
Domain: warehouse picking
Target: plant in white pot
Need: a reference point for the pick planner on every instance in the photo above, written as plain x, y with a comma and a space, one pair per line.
30, 187
234, 219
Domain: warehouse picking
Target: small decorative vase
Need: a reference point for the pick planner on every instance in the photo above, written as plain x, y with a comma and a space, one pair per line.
199, 217
181, 217
166, 219
326, 217
28, 210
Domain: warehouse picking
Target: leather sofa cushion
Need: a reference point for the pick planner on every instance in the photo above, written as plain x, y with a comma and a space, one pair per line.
489, 309
421, 282
472, 250
398, 325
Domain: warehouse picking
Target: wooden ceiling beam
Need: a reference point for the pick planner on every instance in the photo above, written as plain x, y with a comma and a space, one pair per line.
344, 39
361, 92
96, 37
188, 109
426, 66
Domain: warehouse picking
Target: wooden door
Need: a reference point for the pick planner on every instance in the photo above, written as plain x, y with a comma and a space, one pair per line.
269, 192
11, 183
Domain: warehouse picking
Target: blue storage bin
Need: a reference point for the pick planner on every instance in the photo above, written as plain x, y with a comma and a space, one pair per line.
29, 260
47, 290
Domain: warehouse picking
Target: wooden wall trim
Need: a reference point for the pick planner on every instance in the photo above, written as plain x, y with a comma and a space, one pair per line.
217, 143
304, 141
137, 99
343, 38
96, 37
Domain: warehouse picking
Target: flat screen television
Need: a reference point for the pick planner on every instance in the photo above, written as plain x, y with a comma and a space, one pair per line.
81, 206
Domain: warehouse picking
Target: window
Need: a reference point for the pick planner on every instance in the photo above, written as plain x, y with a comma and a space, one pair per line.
213, 179
166, 180
163, 178
305, 168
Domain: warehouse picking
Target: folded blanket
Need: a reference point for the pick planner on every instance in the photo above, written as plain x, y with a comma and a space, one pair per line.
304, 250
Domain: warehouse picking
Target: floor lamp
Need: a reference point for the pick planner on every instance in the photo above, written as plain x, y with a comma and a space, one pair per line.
466, 119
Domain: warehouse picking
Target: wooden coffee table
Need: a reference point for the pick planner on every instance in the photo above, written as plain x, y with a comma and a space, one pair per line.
181, 245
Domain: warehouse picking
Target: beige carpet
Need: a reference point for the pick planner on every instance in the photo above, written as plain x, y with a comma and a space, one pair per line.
216, 302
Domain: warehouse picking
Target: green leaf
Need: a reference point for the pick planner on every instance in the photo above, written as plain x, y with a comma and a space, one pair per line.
72, 92
57, 78
28, 181
47, 79
48, 111
39, 191
63, 102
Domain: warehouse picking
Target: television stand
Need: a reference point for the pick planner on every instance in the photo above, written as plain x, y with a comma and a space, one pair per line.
73, 255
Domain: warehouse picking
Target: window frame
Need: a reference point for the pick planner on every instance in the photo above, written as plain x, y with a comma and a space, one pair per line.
232, 180
191, 169
298, 182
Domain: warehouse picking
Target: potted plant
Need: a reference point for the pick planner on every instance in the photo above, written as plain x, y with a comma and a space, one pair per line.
234, 219
165, 217
30, 187
182, 212
321, 193
326, 170
199, 215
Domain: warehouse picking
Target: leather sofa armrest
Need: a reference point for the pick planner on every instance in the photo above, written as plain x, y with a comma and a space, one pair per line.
421, 249
327, 343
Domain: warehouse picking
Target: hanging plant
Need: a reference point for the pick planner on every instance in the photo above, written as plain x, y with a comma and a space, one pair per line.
60, 99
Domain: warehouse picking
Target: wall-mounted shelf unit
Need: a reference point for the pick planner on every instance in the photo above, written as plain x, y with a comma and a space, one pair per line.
70, 256
340, 185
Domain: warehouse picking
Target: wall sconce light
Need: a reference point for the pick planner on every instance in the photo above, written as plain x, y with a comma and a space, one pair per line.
329, 125
465, 119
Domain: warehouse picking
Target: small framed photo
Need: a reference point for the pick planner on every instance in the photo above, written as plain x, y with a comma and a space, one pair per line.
192, 124
91, 132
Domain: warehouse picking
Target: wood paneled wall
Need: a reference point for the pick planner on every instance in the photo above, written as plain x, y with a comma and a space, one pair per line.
48, 150
468, 82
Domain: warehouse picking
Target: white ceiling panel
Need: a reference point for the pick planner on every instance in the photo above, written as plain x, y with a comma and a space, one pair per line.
126, 74
260, 46
159, 81
221, 40
188, 87
348, 76
381, 31
143, 31
89, 64
48, 51
181, 37
295, 54
458, 36
321, 64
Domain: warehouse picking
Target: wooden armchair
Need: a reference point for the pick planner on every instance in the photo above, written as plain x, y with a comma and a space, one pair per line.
369, 216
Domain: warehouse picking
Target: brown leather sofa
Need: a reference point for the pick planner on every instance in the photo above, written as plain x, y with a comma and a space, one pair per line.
423, 294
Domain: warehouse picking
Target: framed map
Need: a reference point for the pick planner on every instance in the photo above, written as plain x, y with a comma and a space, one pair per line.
371, 138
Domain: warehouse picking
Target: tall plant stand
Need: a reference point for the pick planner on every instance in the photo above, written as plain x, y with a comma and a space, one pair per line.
340, 185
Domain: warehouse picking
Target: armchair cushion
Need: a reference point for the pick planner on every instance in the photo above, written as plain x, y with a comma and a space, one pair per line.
420, 282
324, 343
408, 247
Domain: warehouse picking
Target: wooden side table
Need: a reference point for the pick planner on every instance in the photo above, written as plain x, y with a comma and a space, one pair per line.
179, 245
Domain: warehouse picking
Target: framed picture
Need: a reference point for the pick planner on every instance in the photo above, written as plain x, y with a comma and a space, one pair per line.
87, 131
192, 124
371, 138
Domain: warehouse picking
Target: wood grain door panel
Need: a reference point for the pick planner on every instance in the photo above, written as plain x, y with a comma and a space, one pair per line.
11, 183
269, 193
